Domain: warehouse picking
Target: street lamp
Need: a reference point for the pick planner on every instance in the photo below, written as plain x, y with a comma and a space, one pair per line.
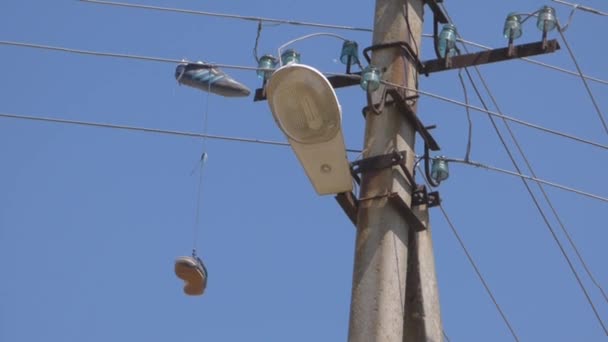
305, 107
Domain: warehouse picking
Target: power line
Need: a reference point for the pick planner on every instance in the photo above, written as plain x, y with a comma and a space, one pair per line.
542, 189
230, 16
276, 143
474, 265
502, 116
118, 55
230, 66
580, 72
532, 178
529, 190
310, 24
540, 210
582, 8
150, 130
478, 272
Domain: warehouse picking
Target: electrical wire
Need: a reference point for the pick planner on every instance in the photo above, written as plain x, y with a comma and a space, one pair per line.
230, 16
580, 72
473, 264
532, 178
312, 35
570, 17
301, 23
546, 196
541, 212
529, 190
499, 115
257, 41
121, 55
151, 130
240, 67
582, 8
467, 154
447, 339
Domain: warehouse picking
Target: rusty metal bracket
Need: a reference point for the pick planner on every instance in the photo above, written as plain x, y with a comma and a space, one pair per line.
350, 205
336, 81
380, 162
438, 12
491, 56
422, 197
407, 212
405, 46
409, 114
457, 62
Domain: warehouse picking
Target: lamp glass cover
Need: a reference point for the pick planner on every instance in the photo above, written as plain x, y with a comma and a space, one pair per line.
298, 104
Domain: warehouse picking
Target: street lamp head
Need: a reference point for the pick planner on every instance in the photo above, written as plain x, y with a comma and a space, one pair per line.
300, 108
306, 109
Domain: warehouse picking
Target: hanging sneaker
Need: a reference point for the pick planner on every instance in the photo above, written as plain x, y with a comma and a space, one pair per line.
192, 271
206, 78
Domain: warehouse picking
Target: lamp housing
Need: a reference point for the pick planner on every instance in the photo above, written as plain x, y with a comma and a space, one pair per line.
305, 107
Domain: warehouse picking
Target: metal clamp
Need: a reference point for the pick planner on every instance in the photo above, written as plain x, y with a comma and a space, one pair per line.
380, 162
405, 46
409, 114
422, 197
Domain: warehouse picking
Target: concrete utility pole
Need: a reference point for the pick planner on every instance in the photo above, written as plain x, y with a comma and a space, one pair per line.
394, 296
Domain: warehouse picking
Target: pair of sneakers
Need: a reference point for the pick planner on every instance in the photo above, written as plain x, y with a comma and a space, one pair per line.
205, 77
194, 274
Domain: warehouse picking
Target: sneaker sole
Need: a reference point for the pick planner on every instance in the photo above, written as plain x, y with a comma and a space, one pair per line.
195, 281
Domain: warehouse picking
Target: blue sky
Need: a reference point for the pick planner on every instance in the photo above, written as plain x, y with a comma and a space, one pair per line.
91, 219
